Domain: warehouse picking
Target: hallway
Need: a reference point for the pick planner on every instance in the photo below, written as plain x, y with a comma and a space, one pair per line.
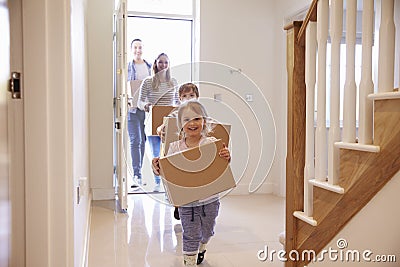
148, 235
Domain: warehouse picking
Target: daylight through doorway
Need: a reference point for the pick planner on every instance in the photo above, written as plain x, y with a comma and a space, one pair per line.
159, 35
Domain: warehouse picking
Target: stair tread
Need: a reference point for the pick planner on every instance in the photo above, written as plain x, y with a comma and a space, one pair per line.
302, 216
384, 95
357, 146
325, 185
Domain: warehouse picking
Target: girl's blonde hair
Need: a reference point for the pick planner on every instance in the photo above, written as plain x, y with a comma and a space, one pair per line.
197, 108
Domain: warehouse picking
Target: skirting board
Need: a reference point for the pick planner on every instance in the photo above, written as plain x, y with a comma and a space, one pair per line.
103, 193
243, 189
240, 189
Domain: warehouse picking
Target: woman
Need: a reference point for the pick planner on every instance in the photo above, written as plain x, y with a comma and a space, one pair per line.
159, 89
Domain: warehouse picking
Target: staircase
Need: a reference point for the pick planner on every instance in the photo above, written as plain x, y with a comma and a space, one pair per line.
319, 205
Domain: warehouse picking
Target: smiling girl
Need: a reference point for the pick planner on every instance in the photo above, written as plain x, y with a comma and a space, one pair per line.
198, 218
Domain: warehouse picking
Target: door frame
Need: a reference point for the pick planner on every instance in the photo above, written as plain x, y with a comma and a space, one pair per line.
15, 108
48, 133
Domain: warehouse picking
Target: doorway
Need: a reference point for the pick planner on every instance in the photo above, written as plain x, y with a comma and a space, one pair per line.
172, 34
162, 35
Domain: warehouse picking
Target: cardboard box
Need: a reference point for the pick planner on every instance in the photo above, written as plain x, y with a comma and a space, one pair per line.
220, 131
171, 134
196, 174
155, 118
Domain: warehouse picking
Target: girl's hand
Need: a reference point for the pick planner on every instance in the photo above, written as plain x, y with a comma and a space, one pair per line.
155, 164
161, 132
224, 153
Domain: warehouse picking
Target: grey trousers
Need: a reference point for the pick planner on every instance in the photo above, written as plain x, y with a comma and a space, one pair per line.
198, 224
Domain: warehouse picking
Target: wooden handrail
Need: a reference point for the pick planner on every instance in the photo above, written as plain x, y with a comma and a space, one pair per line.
311, 16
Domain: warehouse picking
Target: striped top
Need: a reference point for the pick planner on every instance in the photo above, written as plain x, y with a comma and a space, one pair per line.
164, 96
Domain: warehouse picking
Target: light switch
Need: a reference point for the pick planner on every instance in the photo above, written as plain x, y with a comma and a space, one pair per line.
249, 97
217, 97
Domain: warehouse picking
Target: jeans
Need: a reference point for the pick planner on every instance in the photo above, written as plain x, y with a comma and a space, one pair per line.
137, 140
155, 142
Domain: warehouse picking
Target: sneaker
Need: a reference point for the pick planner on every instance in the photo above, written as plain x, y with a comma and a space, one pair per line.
157, 188
200, 257
135, 183
138, 180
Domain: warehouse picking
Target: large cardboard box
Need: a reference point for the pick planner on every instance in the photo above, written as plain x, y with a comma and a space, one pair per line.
155, 118
196, 174
220, 131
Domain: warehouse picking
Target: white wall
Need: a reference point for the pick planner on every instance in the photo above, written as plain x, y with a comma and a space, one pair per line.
242, 44
375, 228
249, 35
100, 81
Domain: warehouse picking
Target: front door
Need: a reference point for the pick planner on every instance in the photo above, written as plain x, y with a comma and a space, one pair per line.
121, 105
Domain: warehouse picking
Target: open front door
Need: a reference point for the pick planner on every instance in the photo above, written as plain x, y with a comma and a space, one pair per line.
121, 105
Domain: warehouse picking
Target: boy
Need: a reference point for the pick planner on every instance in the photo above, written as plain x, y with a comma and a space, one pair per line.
186, 92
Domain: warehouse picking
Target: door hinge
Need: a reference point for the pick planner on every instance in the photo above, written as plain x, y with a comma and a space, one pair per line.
15, 85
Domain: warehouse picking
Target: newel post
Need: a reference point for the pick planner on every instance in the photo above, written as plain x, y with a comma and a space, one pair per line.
295, 157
